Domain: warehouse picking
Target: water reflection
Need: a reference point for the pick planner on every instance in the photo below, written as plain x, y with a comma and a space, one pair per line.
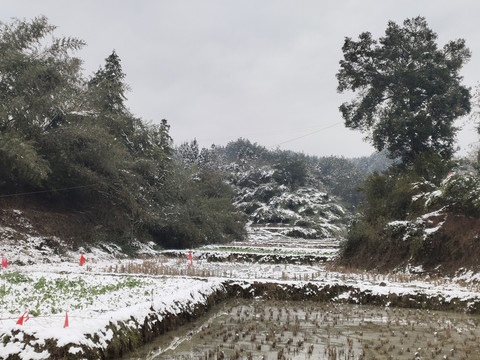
260, 329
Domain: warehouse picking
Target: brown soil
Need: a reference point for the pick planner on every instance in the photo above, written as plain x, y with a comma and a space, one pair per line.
455, 245
74, 227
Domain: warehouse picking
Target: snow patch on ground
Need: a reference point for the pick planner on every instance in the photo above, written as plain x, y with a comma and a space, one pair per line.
49, 281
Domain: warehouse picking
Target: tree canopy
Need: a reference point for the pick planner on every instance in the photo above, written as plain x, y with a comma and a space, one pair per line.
408, 90
73, 140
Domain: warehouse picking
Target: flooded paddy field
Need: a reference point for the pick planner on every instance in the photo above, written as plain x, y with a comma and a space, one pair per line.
286, 301
262, 329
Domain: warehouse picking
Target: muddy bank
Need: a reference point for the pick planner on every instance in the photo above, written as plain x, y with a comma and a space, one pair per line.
257, 258
117, 339
297, 330
350, 295
120, 338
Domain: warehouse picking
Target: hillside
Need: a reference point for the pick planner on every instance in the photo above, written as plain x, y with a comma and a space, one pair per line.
285, 193
304, 211
84, 168
440, 232
291, 194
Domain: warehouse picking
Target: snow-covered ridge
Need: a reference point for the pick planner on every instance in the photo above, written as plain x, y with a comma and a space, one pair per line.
303, 212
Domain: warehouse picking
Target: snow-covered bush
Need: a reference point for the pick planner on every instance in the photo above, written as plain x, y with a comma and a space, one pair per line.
461, 193
300, 211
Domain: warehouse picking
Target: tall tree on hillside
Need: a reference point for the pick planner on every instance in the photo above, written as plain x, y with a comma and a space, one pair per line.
39, 79
291, 169
476, 118
107, 95
110, 86
243, 151
409, 91
40, 84
188, 152
476, 106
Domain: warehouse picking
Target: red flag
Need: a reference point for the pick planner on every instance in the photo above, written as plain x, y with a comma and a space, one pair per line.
23, 318
4, 262
191, 259
82, 260
66, 320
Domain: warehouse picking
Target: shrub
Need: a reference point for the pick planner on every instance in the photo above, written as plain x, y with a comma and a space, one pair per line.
461, 194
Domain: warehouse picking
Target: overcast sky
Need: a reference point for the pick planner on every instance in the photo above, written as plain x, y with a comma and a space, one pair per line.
264, 70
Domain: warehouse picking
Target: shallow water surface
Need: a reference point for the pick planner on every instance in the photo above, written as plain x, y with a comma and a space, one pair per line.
265, 329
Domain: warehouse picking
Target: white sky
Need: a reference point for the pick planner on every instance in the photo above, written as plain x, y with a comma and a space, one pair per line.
265, 70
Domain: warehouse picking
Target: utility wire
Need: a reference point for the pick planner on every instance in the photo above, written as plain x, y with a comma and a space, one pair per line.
310, 133
91, 185
46, 191
269, 133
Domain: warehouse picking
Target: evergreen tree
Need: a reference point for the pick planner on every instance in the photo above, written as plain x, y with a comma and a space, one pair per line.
409, 90
189, 152
209, 159
243, 151
108, 86
40, 86
59, 130
291, 169
39, 79
107, 96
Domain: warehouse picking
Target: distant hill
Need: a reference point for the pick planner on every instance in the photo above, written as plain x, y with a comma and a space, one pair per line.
299, 211
289, 193
295, 194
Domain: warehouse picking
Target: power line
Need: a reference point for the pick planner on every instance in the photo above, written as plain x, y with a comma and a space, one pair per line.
46, 191
310, 133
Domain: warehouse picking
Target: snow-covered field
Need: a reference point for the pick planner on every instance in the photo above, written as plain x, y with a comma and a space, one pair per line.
49, 283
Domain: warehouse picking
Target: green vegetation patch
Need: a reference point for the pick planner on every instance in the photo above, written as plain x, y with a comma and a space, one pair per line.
50, 295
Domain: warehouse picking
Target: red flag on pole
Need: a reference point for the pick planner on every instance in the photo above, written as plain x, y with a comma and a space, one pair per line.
191, 259
23, 318
4, 262
66, 320
82, 260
